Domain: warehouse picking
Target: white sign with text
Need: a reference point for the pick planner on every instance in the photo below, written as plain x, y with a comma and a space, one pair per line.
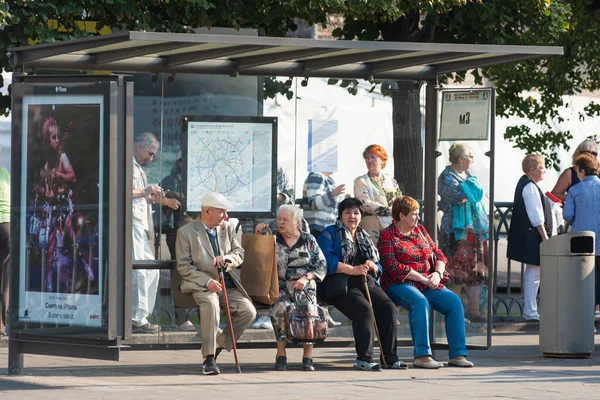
465, 114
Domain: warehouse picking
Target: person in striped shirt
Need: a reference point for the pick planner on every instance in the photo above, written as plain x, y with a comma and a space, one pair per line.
322, 197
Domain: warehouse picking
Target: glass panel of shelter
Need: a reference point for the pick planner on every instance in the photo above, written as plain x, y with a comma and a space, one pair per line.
359, 121
160, 102
348, 123
468, 254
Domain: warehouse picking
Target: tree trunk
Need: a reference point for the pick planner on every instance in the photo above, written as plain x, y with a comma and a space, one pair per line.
408, 143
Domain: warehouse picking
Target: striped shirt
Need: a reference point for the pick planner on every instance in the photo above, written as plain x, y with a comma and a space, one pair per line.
321, 210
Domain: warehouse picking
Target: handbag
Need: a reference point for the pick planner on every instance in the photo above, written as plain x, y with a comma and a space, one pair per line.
306, 322
333, 287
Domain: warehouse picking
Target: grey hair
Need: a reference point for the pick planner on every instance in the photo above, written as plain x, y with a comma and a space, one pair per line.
457, 150
586, 145
146, 138
296, 212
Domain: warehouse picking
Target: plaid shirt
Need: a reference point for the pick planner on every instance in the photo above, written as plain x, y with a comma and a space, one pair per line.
400, 253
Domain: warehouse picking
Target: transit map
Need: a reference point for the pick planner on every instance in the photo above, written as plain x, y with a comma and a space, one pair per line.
232, 158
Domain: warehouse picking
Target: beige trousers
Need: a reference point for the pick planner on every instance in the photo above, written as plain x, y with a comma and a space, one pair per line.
209, 308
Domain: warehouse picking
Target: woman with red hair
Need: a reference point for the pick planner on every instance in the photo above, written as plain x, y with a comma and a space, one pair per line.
377, 191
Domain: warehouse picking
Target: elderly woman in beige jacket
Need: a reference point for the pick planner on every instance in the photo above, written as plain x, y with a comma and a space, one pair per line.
377, 192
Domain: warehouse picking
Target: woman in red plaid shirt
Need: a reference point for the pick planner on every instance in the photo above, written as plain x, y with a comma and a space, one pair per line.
414, 273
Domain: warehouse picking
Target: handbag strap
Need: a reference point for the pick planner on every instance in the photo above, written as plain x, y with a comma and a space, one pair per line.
306, 293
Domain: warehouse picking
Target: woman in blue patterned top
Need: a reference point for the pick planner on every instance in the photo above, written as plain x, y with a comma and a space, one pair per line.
300, 264
464, 229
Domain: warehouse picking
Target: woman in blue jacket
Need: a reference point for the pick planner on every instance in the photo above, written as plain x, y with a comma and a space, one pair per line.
582, 208
351, 254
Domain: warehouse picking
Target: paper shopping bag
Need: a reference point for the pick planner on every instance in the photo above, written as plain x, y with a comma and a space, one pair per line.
259, 269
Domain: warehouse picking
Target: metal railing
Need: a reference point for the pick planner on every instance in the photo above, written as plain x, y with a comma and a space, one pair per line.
507, 302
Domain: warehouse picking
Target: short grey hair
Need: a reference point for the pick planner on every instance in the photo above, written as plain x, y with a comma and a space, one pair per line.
146, 138
532, 161
586, 145
297, 213
457, 150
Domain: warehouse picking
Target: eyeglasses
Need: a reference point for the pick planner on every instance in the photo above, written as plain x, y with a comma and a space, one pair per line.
590, 152
471, 157
151, 153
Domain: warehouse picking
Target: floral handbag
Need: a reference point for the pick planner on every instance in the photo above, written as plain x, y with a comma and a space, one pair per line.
305, 321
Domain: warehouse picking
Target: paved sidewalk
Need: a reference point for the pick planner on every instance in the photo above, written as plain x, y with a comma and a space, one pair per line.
512, 369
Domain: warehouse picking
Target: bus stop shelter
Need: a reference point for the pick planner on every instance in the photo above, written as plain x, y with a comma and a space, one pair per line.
233, 56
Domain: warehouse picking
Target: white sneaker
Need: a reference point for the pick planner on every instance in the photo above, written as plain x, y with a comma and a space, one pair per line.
257, 324
266, 323
187, 326
332, 322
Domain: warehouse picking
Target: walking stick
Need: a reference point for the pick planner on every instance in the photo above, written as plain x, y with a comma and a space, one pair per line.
374, 321
230, 322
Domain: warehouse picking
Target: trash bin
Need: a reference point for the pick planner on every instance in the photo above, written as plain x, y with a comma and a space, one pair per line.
567, 283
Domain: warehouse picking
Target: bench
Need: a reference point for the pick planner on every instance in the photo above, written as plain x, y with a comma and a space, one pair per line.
185, 300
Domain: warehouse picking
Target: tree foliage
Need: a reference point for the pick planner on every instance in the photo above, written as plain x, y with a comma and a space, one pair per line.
573, 24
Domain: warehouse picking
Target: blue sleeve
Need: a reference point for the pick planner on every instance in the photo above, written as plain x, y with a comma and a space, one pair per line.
327, 245
569, 207
379, 271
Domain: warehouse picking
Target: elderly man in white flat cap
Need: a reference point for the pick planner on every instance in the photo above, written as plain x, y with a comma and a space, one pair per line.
202, 247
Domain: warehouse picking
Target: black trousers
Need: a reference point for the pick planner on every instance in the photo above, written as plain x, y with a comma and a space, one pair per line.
355, 305
5, 274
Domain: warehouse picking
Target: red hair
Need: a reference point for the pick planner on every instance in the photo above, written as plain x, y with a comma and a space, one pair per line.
378, 151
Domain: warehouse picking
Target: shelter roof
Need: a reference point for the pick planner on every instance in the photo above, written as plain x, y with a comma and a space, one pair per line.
236, 55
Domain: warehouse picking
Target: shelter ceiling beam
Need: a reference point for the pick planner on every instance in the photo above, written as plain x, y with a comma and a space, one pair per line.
263, 59
202, 55
462, 65
399, 63
40, 51
328, 62
130, 52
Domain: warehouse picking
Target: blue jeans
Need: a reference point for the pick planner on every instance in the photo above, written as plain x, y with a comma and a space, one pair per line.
418, 305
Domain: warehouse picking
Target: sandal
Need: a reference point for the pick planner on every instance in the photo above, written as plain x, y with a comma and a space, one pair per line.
397, 365
367, 366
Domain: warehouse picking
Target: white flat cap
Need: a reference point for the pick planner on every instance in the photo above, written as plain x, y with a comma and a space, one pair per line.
216, 200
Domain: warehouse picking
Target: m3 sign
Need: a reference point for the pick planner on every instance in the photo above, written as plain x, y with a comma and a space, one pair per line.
465, 114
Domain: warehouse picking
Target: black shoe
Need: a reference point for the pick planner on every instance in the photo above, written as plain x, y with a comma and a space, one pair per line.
281, 363
209, 367
307, 364
219, 350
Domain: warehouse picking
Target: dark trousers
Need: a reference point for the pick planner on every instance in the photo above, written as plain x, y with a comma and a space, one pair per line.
5, 269
355, 305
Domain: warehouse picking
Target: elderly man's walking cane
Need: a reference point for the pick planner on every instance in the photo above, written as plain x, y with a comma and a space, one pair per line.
230, 322
365, 280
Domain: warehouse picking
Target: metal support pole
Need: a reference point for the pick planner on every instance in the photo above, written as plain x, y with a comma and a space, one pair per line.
15, 357
492, 250
431, 153
430, 187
